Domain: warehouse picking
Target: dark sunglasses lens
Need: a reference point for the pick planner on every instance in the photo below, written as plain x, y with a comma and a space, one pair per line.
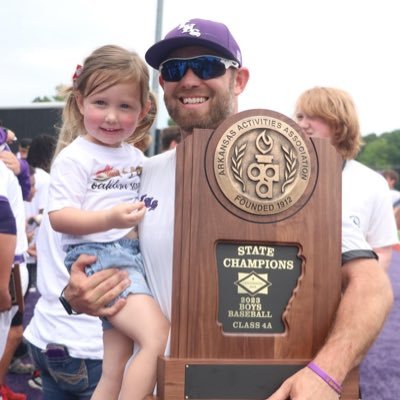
174, 70
204, 67
208, 68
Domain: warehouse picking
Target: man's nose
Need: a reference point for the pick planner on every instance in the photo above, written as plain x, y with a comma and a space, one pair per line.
190, 78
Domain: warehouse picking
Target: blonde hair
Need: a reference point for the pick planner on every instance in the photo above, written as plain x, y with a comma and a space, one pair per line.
107, 66
145, 143
336, 108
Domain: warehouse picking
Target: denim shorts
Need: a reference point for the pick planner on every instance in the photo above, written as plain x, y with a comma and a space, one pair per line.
122, 253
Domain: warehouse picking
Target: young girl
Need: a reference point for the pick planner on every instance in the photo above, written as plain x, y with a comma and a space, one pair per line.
93, 201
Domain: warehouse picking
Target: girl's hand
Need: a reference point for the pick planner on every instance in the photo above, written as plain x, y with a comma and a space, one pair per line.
126, 215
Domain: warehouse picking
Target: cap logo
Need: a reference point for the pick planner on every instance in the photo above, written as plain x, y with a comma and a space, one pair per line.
190, 29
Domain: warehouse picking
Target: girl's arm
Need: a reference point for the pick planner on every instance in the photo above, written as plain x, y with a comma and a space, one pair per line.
82, 222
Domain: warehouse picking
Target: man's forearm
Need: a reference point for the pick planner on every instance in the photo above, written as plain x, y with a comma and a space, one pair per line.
365, 304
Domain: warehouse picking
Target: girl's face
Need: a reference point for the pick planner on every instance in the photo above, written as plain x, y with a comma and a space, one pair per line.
313, 126
110, 116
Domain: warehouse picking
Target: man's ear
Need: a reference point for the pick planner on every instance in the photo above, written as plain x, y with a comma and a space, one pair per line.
161, 81
241, 79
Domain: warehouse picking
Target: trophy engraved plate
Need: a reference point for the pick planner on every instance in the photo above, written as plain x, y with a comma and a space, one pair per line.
234, 381
262, 164
256, 282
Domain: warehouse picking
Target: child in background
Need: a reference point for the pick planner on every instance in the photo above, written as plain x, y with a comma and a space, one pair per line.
93, 202
330, 113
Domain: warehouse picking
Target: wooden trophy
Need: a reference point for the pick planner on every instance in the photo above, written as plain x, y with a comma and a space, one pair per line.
257, 258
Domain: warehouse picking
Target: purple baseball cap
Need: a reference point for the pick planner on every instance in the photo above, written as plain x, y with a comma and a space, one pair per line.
195, 32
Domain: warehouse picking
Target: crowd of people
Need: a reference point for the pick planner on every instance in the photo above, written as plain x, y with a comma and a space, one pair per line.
97, 229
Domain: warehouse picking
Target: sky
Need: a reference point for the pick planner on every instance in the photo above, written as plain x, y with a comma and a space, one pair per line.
288, 45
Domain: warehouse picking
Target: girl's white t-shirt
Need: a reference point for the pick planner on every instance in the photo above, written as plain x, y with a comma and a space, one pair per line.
90, 176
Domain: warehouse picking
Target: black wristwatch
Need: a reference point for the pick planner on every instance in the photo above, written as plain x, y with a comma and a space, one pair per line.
65, 304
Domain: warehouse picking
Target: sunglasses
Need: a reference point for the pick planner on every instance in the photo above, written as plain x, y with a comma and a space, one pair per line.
204, 67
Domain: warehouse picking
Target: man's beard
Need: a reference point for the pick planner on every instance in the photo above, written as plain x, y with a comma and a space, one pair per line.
221, 108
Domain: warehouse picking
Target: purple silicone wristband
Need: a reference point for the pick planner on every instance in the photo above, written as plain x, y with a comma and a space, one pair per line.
322, 374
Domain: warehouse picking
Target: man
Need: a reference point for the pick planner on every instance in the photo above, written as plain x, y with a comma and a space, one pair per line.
200, 93
392, 177
23, 148
170, 137
8, 232
13, 246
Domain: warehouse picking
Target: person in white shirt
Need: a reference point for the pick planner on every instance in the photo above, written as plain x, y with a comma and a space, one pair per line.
202, 76
77, 337
8, 231
330, 113
13, 247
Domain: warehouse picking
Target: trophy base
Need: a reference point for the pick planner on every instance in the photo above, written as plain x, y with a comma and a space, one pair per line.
229, 379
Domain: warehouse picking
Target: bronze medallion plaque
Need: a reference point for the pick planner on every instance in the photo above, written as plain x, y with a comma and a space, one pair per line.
262, 164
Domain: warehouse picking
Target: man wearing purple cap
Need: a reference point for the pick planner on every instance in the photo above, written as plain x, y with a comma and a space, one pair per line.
201, 73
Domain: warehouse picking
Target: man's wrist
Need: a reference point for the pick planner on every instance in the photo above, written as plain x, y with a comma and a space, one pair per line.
65, 303
336, 386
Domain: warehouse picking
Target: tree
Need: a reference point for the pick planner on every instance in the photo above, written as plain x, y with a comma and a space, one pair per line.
381, 152
43, 99
59, 96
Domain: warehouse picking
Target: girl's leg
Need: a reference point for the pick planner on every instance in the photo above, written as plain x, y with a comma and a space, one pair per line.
118, 348
142, 321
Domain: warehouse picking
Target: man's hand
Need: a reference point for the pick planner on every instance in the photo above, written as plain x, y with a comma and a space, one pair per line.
90, 295
11, 162
304, 385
